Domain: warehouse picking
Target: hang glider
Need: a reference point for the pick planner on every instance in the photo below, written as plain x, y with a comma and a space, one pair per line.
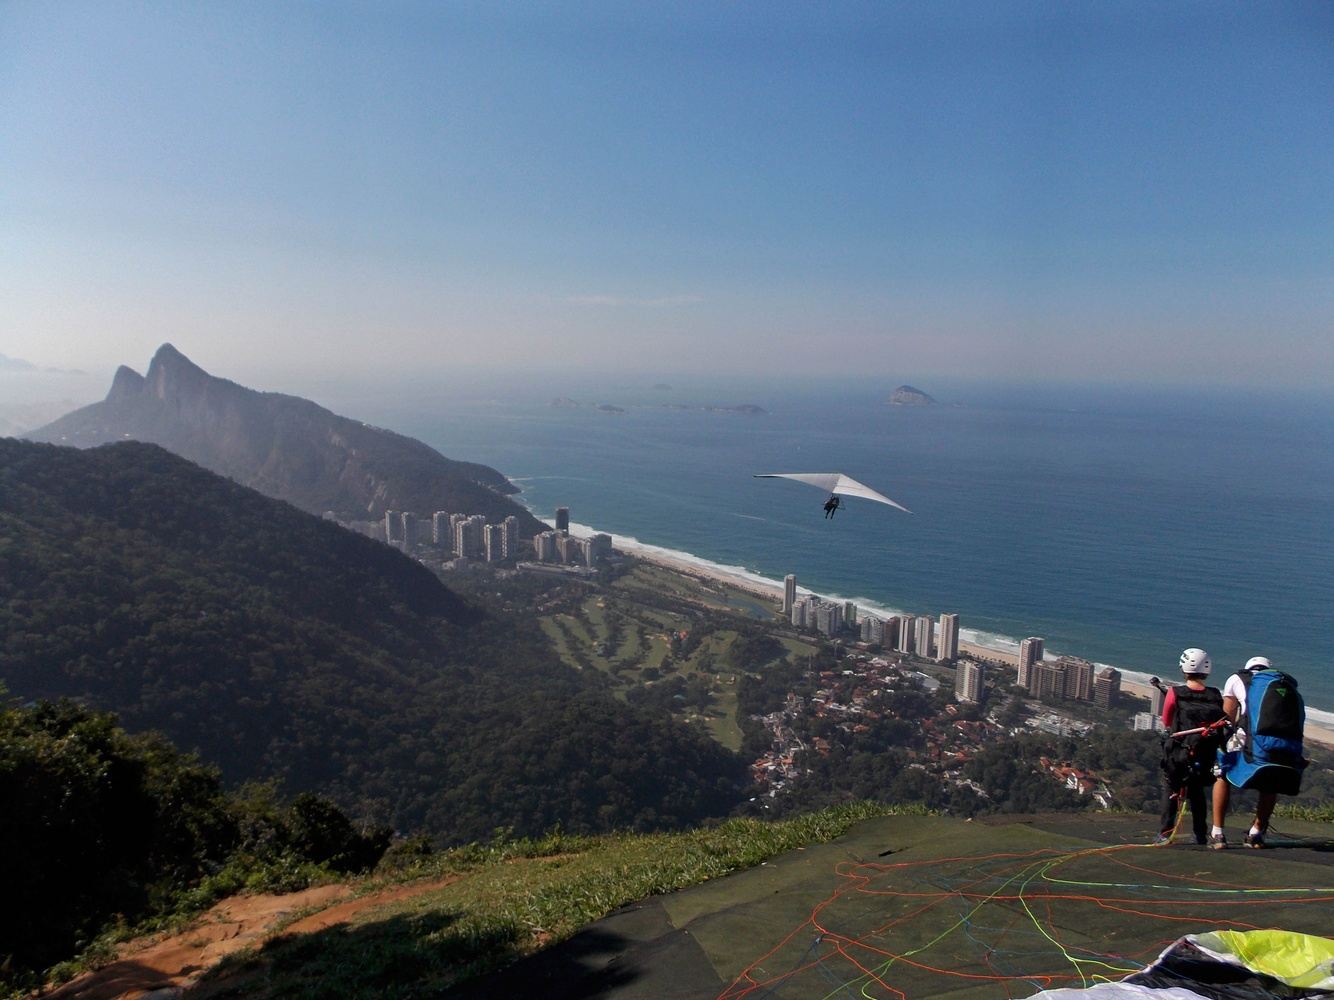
836, 484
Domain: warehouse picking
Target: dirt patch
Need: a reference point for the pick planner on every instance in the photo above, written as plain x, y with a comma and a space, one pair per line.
165, 967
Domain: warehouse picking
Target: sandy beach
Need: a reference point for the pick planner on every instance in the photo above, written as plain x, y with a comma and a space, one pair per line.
1317, 731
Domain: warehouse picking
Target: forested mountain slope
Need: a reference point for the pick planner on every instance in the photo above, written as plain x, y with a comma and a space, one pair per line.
277, 644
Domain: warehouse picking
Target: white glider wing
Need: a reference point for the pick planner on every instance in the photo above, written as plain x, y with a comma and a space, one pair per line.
836, 482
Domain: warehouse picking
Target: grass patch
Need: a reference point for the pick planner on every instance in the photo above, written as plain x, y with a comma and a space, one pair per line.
516, 898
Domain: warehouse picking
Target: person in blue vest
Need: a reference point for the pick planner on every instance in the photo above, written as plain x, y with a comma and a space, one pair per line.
1192, 713
1265, 750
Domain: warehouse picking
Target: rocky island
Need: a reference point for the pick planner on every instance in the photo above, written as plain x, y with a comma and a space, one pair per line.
906, 395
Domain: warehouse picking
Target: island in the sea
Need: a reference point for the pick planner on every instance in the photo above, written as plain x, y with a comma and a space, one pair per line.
907, 395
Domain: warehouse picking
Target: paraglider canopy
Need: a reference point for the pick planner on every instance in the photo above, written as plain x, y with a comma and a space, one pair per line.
836, 483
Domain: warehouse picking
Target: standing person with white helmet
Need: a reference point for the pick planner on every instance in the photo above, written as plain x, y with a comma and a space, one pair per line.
1265, 751
1192, 712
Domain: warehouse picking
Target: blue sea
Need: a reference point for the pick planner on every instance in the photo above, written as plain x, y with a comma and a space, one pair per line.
1122, 524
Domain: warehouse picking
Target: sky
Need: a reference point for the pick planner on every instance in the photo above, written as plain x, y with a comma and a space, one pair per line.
1103, 191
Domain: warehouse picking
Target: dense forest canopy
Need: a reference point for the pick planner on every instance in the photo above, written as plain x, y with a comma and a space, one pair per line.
280, 646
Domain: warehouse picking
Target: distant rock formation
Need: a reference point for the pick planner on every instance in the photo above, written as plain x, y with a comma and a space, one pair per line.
906, 395
284, 446
608, 408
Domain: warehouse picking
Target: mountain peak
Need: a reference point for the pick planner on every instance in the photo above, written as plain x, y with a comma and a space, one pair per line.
127, 384
171, 373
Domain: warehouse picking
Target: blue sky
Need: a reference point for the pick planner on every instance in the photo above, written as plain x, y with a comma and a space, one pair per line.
1065, 190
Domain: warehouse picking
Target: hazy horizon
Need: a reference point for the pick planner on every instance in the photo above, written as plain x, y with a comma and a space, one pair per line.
1129, 193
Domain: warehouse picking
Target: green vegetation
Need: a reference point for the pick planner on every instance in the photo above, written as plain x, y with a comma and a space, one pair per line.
668, 643
102, 830
279, 646
515, 897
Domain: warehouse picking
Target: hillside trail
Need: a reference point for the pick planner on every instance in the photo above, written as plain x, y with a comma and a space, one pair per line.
163, 968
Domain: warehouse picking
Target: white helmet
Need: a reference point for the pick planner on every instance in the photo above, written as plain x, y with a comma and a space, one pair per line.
1258, 663
1195, 661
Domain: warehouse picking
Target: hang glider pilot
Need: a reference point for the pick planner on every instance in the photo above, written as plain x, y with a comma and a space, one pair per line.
838, 485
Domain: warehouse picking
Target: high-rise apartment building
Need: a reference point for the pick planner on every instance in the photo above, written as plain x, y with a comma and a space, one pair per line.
468, 536
1048, 679
1078, 678
1030, 654
562, 518
409, 521
947, 648
599, 547
789, 592
971, 680
828, 619
801, 610
441, 533
926, 628
544, 546
905, 637
511, 536
1156, 698
1107, 687
873, 630
849, 614
393, 526
493, 542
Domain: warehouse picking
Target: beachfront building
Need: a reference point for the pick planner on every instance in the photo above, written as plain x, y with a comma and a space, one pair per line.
562, 518
1156, 698
1047, 680
971, 680
1107, 687
873, 630
849, 614
789, 592
1030, 654
828, 619
801, 613
891, 639
905, 630
947, 649
925, 639
1078, 678
599, 548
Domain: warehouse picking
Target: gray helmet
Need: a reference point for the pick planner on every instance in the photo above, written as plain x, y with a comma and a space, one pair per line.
1195, 661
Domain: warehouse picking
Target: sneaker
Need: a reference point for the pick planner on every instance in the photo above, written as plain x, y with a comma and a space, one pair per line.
1218, 842
1254, 839
1162, 840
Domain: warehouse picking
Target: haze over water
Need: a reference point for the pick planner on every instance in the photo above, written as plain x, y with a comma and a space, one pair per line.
1122, 524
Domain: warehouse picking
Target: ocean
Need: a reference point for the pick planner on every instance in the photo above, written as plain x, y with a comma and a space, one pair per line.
1122, 524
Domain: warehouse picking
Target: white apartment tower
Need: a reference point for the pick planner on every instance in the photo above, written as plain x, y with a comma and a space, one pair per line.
1030, 654
971, 680
441, 534
926, 627
948, 647
905, 643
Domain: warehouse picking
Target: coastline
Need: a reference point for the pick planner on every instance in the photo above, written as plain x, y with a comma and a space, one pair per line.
1319, 723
